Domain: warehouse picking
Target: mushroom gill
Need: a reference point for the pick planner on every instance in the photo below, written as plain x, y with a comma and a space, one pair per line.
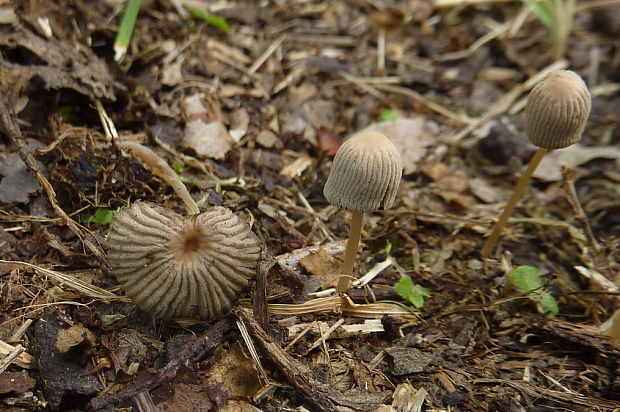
182, 267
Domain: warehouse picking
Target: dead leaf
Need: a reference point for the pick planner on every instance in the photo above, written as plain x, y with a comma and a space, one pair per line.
239, 122
204, 131
171, 74
550, 169
412, 137
322, 264
408, 360
449, 185
484, 191
268, 139
18, 182
297, 166
236, 372
89, 75
73, 336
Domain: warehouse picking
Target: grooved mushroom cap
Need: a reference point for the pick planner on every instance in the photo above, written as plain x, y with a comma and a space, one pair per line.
365, 174
557, 110
175, 266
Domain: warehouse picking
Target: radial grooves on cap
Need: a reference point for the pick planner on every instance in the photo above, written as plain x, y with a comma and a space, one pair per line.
557, 110
149, 255
365, 173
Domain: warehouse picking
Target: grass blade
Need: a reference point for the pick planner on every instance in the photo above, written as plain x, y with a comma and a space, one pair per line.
215, 21
125, 30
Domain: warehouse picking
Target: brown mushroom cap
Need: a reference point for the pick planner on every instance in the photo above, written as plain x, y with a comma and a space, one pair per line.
365, 174
557, 110
182, 267
386, 19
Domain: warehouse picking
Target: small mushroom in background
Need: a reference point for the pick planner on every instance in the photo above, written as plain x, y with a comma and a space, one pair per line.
556, 114
384, 21
175, 266
364, 177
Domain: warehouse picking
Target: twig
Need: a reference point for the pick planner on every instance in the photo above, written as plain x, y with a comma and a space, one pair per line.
8, 359
580, 214
459, 118
143, 402
23, 359
259, 299
285, 363
8, 119
263, 58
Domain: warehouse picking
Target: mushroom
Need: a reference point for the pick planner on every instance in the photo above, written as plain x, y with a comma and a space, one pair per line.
364, 177
556, 114
384, 21
177, 266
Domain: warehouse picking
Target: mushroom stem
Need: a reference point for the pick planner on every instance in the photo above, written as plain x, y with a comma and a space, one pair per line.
161, 169
355, 232
512, 203
381, 50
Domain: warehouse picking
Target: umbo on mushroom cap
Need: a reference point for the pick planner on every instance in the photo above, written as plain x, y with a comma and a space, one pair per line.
365, 173
175, 266
557, 110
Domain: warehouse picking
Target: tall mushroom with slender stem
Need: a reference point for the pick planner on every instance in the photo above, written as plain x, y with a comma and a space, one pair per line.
556, 114
364, 177
384, 22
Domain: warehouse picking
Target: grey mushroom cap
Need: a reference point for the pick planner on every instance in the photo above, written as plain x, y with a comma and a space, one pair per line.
557, 110
365, 173
175, 266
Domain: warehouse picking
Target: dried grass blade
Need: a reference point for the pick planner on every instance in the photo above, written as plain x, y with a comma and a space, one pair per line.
80, 286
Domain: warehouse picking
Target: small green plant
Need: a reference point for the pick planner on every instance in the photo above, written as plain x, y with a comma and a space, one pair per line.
178, 168
412, 292
557, 15
527, 280
212, 20
102, 216
388, 115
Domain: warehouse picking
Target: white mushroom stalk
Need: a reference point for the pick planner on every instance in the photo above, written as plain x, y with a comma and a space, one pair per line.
160, 168
556, 114
365, 176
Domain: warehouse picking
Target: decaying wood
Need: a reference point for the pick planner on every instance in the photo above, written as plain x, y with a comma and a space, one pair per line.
195, 349
285, 364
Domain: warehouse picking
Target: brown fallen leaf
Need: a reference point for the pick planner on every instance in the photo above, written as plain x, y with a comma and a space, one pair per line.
412, 137
323, 265
73, 336
18, 182
550, 169
205, 132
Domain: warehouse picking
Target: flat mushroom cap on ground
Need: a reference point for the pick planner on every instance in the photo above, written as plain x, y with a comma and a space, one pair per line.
557, 110
182, 267
365, 173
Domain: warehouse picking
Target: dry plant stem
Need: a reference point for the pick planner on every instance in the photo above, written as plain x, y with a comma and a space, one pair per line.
355, 232
381, 50
158, 166
512, 202
573, 200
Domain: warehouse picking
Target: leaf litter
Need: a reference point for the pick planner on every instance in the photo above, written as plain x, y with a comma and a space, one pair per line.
255, 113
